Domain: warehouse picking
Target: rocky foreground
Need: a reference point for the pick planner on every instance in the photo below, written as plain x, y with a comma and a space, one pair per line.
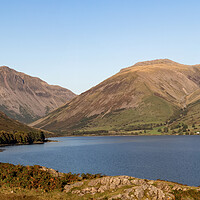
106, 187
126, 187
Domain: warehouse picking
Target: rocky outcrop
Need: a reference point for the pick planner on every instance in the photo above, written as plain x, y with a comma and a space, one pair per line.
125, 187
53, 172
95, 187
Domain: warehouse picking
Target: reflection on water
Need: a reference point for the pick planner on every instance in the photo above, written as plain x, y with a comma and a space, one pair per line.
173, 158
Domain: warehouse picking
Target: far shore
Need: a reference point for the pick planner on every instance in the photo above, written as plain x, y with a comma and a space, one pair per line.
86, 135
17, 144
95, 135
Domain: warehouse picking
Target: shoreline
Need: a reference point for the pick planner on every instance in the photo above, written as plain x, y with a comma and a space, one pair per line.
87, 135
49, 140
92, 186
19, 144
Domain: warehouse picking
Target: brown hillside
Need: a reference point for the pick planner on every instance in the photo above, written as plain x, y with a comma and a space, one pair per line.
27, 98
147, 92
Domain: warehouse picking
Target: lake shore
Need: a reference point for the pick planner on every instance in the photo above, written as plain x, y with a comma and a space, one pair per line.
17, 144
94, 187
111, 135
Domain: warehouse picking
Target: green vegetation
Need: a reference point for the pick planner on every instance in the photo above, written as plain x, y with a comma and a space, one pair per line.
155, 117
33, 177
191, 115
20, 137
152, 117
177, 129
144, 129
189, 194
153, 112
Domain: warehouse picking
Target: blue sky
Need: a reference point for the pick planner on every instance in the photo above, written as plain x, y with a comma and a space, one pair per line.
79, 43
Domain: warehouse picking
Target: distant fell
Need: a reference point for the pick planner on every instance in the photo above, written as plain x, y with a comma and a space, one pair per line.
27, 98
144, 95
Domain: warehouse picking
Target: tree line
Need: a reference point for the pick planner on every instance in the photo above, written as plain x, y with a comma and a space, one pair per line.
20, 137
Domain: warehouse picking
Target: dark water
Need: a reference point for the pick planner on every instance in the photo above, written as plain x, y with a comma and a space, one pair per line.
172, 158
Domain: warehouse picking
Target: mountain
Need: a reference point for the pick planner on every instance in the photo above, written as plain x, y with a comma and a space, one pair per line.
27, 98
146, 94
7, 124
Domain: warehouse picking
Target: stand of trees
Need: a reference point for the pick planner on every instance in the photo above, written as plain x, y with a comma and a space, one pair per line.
20, 137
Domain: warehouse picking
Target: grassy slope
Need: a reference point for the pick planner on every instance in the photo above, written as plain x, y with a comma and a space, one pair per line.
152, 111
192, 114
9, 125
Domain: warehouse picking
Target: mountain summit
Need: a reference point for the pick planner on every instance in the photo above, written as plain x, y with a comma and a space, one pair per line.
148, 92
27, 98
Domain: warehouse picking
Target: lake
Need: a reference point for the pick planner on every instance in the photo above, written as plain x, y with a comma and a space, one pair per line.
172, 158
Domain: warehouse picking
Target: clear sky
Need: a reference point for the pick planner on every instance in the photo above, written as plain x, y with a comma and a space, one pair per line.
79, 43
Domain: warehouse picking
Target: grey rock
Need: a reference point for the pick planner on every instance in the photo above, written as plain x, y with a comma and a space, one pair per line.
68, 188
139, 192
77, 184
94, 182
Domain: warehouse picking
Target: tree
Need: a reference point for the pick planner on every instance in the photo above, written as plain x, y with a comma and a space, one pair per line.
166, 129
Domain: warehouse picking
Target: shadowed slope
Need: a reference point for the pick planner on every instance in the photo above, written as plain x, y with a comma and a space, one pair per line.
9, 125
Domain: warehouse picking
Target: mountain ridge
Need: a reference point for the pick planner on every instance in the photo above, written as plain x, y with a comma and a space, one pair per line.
26, 98
157, 63
149, 92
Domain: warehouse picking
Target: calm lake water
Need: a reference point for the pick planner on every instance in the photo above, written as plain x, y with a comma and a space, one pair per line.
172, 158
